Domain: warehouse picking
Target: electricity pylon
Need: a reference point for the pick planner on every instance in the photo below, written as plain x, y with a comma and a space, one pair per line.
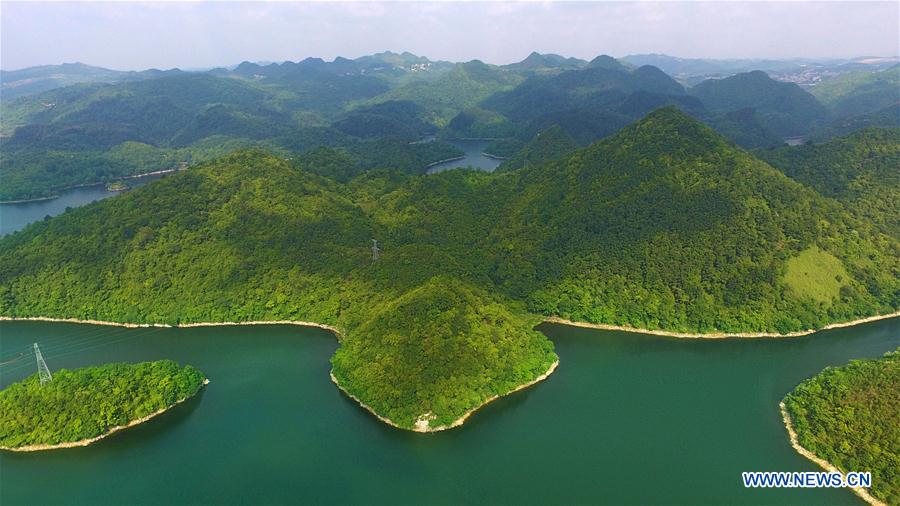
375, 251
43, 371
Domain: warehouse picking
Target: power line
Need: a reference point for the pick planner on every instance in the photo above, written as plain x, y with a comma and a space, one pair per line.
43, 371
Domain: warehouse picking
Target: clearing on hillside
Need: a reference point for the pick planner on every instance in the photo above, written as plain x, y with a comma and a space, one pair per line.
815, 274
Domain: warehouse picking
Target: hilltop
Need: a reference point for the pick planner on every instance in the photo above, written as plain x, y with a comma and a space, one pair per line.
785, 108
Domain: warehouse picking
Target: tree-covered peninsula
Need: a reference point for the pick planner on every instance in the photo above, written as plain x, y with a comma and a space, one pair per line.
848, 416
84, 404
665, 225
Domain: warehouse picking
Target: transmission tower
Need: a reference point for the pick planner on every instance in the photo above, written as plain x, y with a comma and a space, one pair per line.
375, 250
43, 371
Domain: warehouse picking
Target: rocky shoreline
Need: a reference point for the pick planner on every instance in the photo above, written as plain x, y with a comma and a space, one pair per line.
423, 426
718, 335
824, 464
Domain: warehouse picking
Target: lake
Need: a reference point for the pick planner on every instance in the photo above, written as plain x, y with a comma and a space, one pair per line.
473, 157
14, 217
625, 419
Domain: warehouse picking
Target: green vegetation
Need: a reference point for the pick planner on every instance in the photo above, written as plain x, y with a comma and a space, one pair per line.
859, 170
815, 274
848, 416
745, 128
862, 92
114, 124
87, 402
544, 147
461, 88
504, 148
784, 108
665, 225
538, 63
478, 123
451, 347
889, 117
19, 83
590, 88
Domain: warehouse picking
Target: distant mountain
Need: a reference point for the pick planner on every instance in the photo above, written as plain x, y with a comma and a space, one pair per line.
89, 133
861, 92
32, 80
546, 63
589, 103
461, 88
785, 108
152, 120
691, 68
386, 66
607, 62
588, 88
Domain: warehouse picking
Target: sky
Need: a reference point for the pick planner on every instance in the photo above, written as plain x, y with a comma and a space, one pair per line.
133, 36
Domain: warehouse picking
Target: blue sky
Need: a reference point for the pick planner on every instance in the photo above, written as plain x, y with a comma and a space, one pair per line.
192, 35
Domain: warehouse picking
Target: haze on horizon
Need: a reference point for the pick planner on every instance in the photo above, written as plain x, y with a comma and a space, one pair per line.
135, 36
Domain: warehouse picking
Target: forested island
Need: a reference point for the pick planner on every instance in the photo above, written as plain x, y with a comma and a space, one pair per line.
666, 225
81, 406
847, 416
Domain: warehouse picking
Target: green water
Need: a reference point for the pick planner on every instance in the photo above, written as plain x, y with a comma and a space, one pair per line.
626, 418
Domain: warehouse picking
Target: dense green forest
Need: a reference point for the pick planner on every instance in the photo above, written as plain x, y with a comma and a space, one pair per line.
106, 124
87, 402
666, 225
861, 92
848, 416
545, 146
96, 132
861, 170
786, 108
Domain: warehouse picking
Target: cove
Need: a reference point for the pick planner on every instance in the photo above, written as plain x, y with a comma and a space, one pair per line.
474, 157
625, 419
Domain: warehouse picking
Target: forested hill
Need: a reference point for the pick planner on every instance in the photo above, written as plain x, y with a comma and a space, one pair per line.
861, 170
109, 125
664, 225
785, 107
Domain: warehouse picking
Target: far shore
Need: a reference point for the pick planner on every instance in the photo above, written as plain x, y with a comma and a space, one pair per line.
824, 464
85, 185
549, 319
111, 431
718, 335
477, 138
166, 325
432, 164
25, 201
